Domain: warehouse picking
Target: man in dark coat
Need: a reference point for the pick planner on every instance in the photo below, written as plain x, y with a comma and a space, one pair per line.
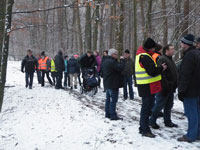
87, 60
113, 80
198, 43
128, 75
189, 87
169, 82
60, 67
148, 77
30, 63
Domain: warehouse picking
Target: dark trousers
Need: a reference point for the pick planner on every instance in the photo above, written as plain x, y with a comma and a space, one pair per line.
43, 76
59, 79
128, 81
39, 77
29, 78
79, 79
111, 101
147, 104
192, 112
66, 79
53, 75
165, 102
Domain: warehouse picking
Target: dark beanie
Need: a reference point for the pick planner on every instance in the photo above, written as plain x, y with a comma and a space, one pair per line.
127, 51
158, 48
43, 53
198, 40
149, 43
188, 39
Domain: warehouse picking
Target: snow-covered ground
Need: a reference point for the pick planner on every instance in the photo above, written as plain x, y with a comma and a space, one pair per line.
48, 119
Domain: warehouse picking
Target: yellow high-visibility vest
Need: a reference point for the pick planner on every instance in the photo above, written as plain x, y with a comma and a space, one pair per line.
141, 75
53, 68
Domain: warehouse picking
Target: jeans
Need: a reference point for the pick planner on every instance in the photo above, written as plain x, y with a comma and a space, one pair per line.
39, 77
73, 77
53, 75
27, 76
147, 104
128, 81
66, 79
165, 102
111, 101
59, 79
43, 76
192, 112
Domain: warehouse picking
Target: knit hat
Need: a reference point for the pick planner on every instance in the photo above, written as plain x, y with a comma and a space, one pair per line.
149, 43
198, 40
112, 51
127, 51
43, 53
158, 48
188, 39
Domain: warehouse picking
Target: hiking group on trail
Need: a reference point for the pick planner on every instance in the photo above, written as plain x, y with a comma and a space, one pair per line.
153, 71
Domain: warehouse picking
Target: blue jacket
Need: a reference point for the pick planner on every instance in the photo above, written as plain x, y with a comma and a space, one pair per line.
66, 66
73, 66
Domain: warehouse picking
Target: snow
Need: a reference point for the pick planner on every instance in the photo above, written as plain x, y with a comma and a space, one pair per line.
48, 119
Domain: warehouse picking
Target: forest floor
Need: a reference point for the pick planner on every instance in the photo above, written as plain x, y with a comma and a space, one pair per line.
48, 119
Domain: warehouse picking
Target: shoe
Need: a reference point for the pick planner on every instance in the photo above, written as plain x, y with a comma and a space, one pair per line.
149, 134
107, 116
71, 88
171, 125
140, 130
26, 85
160, 114
30, 87
116, 118
57, 88
154, 126
125, 98
184, 139
75, 86
131, 98
62, 88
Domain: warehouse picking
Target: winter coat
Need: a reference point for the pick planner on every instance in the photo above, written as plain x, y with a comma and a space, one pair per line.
87, 62
169, 80
129, 67
112, 76
66, 66
59, 62
149, 65
73, 66
98, 60
189, 77
30, 64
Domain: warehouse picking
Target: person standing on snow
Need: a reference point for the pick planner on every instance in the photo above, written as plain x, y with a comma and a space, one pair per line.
30, 64
189, 88
98, 60
148, 77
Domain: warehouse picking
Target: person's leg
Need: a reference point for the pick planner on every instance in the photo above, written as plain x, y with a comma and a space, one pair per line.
39, 77
147, 104
43, 76
130, 85
49, 79
65, 79
71, 80
191, 112
198, 107
107, 104
75, 80
68, 78
59, 80
31, 80
125, 87
168, 108
26, 78
113, 103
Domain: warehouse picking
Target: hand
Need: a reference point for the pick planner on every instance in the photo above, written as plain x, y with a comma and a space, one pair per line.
22, 71
164, 66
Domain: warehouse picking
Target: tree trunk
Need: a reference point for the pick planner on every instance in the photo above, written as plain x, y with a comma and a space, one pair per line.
142, 18
135, 27
3, 68
96, 26
148, 29
184, 29
88, 33
101, 40
165, 23
112, 23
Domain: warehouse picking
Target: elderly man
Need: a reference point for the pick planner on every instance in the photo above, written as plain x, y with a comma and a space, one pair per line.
189, 88
113, 80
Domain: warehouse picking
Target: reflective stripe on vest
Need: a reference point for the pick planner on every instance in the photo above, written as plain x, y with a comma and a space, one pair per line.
53, 68
141, 75
43, 63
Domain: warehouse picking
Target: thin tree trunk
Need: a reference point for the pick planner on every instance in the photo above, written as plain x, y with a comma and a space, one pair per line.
165, 23
96, 26
112, 23
3, 68
135, 26
142, 18
148, 29
186, 21
101, 42
88, 33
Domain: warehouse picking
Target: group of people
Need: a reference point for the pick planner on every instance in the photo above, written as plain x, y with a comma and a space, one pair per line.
157, 78
155, 74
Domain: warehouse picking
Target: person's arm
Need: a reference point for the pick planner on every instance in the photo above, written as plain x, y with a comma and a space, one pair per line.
119, 66
23, 64
150, 66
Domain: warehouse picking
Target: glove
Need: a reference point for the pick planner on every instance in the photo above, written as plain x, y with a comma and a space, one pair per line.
181, 96
22, 71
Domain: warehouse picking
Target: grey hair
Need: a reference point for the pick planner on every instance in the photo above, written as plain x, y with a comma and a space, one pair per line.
112, 51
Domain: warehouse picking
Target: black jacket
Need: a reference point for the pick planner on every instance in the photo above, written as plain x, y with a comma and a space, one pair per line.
73, 66
129, 67
112, 77
59, 62
87, 62
169, 76
30, 64
189, 77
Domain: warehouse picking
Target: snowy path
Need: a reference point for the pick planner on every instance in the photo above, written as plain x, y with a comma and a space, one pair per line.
49, 119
